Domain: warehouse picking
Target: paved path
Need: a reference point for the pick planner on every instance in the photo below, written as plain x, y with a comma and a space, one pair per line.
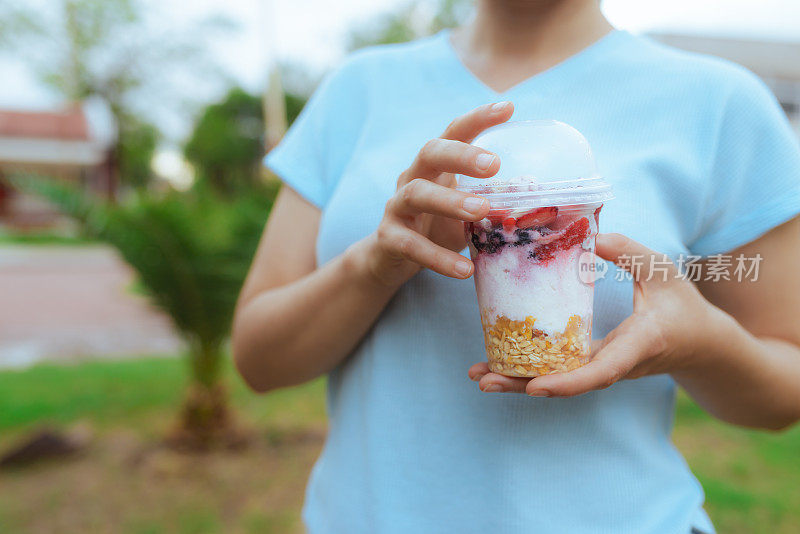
72, 302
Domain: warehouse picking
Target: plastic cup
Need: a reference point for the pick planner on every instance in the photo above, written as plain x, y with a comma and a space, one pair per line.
533, 252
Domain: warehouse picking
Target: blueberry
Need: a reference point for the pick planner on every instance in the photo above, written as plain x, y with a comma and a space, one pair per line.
495, 238
523, 238
494, 242
476, 242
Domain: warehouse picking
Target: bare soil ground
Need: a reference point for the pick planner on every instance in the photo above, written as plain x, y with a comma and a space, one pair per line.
124, 485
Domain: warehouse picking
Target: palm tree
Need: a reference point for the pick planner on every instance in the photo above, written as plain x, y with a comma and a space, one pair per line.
191, 252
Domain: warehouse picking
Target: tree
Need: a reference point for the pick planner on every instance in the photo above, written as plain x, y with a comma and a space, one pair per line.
13, 23
191, 253
412, 21
137, 144
106, 49
294, 105
388, 29
226, 145
449, 14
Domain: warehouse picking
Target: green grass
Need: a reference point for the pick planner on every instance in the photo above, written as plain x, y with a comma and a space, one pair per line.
130, 405
131, 392
45, 238
751, 478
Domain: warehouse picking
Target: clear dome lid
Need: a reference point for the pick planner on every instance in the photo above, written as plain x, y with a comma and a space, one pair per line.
542, 163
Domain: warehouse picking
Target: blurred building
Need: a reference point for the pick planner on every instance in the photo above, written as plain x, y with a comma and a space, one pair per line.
73, 144
776, 62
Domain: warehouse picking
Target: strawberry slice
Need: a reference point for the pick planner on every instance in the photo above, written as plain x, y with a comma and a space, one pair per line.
538, 217
509, 223
575, 233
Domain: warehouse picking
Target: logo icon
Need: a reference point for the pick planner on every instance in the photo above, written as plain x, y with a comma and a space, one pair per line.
591, 268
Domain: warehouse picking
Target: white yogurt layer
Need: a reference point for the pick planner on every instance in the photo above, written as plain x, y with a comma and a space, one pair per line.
510, 284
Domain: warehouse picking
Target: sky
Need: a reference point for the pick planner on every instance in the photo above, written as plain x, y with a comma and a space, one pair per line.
312, 33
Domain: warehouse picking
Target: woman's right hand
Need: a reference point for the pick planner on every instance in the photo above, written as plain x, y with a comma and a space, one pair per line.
422, 226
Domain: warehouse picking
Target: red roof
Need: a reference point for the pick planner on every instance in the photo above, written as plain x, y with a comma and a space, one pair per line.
68, 124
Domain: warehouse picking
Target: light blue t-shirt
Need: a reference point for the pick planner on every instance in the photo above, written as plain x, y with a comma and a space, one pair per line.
702, 160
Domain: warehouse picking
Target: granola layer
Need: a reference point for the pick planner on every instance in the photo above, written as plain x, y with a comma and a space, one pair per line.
518, 348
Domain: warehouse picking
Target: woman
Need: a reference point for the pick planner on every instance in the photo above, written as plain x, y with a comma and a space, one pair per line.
359, 275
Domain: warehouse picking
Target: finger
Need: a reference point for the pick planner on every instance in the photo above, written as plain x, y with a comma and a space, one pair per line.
406, 244
617, 248
497, 383
477, 371
452, 153
611, 364
643, 263
445, 155
422, 196
466, 127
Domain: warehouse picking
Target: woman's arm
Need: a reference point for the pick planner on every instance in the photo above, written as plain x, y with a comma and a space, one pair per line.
295, 321
753, 378
734, 346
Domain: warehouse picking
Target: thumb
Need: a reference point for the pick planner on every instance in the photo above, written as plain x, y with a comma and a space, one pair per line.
644, 264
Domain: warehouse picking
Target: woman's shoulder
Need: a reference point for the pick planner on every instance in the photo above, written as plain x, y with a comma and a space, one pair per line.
368, 59
674, 67
369, 70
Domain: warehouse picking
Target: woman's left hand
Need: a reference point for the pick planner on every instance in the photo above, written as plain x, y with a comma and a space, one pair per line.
671, 326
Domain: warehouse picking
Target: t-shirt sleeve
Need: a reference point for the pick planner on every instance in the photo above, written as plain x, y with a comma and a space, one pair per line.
755, 176
312, 155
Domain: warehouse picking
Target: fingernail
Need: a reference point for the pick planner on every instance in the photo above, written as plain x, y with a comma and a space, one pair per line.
484, 161
463, 268
474, 204
500, 106
540, 393
493, 388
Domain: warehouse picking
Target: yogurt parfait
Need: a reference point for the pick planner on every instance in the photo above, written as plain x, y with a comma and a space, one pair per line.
536, 310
